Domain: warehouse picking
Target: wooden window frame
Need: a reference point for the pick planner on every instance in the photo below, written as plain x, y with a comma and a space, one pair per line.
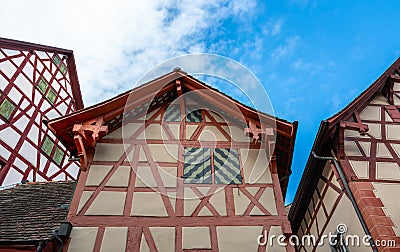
56, 59
212, 166
47, 90
58, 150
2, 99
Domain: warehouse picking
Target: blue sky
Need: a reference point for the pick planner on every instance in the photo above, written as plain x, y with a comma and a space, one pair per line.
312, 57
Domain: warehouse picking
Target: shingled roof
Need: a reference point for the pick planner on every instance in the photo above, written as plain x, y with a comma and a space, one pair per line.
31, 211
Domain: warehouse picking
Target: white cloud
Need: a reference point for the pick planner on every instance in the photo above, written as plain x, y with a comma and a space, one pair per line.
273, 27
301, 65
339, 101
285, 49
116, 42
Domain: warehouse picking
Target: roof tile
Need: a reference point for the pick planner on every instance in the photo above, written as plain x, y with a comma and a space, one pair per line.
31, 211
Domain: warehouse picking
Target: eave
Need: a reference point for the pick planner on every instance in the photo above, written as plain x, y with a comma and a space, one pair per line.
365, 96
323, 144
114, 107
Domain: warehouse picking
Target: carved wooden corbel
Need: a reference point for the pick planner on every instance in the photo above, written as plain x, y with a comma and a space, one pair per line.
178, 87
255, 131
347, 125
86, 136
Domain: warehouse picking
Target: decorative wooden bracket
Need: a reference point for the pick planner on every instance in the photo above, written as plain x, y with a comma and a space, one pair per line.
178, 87
85, 138
254, 131
357, 125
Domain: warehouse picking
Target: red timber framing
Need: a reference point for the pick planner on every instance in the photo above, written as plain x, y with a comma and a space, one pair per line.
210, 211
37, 83
364, 127
318, 214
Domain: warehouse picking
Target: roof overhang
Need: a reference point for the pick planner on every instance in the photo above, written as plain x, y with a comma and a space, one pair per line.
115, 107
324, 142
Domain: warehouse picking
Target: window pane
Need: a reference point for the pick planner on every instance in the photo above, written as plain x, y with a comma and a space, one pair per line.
42, 85
193, 115
197, 169
58, 156
57, 60
63, 68
172, 114
51, 96
227, 167
47, 146
6, 108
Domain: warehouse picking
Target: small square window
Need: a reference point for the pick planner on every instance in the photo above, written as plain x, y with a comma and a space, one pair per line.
47, 145
57, 60
7, 109
227, 166
172, 114
58, 156
42, 85
51, 96
63, 68
197, 167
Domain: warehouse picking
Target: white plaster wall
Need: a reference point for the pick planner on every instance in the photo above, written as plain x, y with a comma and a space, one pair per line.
114, 239
345, 214
388, 194
238, 238
255, 166
82, 239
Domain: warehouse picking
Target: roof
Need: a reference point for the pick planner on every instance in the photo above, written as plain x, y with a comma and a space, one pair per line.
114, 108
31, 211
324, 141
26, 46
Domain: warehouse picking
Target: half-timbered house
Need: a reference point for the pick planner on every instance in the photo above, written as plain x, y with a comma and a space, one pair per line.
37, 83
162, 170
353, 176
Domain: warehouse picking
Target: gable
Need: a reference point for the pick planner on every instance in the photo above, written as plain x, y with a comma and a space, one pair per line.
357, 134
37, 83
162, 93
